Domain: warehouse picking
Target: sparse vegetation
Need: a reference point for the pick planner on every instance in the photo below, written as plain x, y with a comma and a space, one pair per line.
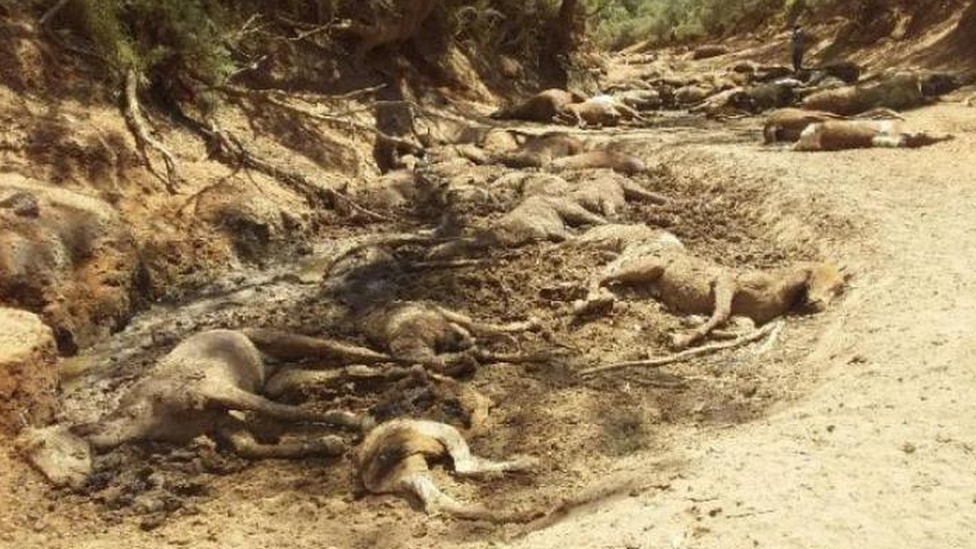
619, 23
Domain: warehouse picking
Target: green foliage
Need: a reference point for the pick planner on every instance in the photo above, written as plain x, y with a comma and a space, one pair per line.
478, 23
625, 22
515, 27
158, 37
150, 34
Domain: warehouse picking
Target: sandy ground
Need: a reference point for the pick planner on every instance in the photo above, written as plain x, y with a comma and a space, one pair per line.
868, 442
881, 452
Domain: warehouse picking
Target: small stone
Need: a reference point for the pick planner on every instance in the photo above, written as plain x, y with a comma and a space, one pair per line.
147, 504
152, 522
22, 203
908, 448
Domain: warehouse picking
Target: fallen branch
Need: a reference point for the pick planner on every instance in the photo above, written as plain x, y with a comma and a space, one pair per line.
688, 354
144, 140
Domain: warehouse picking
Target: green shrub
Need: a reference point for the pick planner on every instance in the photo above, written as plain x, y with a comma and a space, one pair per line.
149, 34
625, 22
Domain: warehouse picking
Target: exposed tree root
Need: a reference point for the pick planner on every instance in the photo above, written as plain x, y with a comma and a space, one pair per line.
688, 354
144, 139
232, 150
275, 97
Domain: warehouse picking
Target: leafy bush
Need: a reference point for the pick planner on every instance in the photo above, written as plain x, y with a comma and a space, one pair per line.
514, 27
618, 23
149, 34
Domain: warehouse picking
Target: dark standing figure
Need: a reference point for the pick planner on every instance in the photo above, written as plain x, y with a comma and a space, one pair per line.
797, 48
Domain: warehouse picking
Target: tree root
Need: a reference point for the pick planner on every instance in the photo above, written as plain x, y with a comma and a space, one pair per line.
688, 354
144, 140
274, 97
232, 150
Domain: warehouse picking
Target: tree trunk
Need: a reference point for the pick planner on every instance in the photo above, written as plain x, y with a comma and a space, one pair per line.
566, 26
395, 29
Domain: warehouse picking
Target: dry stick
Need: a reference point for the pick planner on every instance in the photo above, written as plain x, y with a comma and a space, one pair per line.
144, 140
687, 355
253, 65
245, 29
52, 12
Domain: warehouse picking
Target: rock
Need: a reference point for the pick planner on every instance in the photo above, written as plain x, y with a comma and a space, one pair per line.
22, 203
67, 257
706, 52
152, 522
63, 458
28, 373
